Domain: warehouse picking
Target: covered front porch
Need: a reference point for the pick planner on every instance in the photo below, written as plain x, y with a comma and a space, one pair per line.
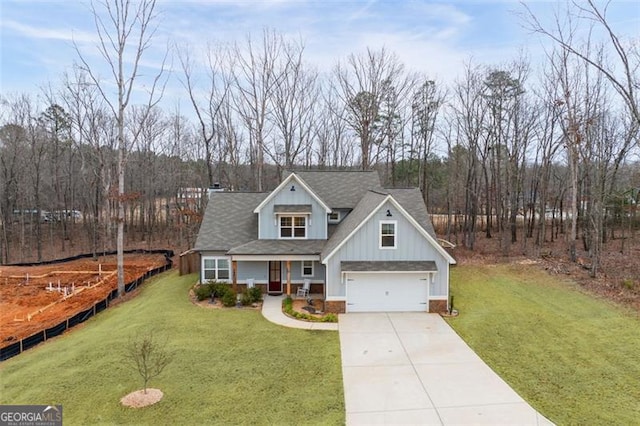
279, 267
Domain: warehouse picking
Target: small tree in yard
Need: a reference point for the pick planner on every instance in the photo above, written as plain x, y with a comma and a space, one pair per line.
148, 356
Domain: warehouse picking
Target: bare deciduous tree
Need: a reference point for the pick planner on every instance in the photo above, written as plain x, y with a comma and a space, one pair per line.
294, 98
207, 110
255, 76
362, 81
148, 355
125, 34
623, 73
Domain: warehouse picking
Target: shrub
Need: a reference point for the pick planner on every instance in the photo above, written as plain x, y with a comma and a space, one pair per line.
287, 305
255, 294
245, 299
203, 291
330, 318
228, 298
251, 295
220, 289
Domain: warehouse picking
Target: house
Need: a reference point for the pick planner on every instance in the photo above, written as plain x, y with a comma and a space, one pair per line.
363, 248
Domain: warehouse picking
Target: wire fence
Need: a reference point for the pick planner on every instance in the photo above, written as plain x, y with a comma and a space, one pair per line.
42, 335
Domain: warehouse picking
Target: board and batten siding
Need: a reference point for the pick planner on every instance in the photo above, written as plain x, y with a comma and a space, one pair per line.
364, 245
268, 225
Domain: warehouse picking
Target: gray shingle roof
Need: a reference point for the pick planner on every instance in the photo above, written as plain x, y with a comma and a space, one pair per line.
340, 189
280, 247
389, 266
292, 208
229, 220
411, 200
369, 201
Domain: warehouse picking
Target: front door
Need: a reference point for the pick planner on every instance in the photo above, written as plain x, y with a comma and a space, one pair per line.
275, 277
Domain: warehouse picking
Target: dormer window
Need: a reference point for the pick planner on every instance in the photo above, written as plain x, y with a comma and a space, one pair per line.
334, 217
293, 227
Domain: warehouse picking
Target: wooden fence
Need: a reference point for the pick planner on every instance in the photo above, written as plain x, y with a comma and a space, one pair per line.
189, 262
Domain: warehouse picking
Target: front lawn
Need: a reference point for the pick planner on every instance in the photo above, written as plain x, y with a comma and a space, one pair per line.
231, 366
575, 358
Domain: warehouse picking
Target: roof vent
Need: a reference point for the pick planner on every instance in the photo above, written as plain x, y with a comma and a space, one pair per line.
215, 188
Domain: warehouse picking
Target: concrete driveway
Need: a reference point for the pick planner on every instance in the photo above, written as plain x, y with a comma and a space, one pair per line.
412, 368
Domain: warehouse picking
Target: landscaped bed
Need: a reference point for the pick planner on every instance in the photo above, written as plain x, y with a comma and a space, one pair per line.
231, 366
575, 358
306, 310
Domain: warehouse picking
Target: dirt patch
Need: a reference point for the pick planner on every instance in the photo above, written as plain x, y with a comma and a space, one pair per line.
139, 398
34, 298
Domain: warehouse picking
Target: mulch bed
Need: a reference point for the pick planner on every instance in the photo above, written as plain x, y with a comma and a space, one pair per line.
139, 398
217, 304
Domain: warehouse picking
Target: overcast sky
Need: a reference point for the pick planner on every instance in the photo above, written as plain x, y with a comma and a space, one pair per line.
436, 38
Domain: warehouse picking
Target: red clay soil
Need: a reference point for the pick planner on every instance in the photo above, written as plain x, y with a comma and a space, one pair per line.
27, 306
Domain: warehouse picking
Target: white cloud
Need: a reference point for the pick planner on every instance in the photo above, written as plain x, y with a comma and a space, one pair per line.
48, 33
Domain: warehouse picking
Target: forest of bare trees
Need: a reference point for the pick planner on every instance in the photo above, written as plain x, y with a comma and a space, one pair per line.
521, 154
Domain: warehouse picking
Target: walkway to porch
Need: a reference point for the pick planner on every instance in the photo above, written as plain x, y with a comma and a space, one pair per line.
272, 311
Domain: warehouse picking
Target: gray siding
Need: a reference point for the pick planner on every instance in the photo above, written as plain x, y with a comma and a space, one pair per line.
296, 272
364, 245
316, 228
259, 271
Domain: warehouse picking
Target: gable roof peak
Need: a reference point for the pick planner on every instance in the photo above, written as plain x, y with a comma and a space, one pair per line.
285, 182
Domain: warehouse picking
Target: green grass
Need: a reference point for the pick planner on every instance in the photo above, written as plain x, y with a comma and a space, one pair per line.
231, 367
575, 358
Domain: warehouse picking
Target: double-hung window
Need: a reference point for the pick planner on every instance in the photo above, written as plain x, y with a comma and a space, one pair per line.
293, 227
307, 268
216, 269
388, 234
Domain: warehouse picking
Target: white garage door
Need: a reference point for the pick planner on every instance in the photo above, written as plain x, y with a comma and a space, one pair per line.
387, 292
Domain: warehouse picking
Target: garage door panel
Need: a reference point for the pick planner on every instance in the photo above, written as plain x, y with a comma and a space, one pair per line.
387, 292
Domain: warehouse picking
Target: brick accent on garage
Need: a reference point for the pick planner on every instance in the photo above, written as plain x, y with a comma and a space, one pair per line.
335, 306
438, 306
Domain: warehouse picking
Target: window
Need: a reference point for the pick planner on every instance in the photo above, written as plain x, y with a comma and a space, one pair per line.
334, 217
307, 268
293, 227
216, 269
387, 234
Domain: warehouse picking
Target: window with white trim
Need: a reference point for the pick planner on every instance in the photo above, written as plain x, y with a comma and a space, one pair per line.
293, 227
334, 217
307, 268
388, 234
216, 269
